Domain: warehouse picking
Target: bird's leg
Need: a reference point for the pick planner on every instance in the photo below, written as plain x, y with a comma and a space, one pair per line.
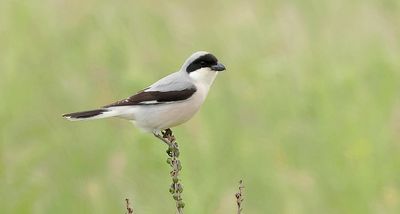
166, 136
157, 132
162, 136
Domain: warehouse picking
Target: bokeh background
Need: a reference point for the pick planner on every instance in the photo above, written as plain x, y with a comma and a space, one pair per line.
308, 112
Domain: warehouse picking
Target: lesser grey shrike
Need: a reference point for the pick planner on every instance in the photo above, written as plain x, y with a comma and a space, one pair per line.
169, 102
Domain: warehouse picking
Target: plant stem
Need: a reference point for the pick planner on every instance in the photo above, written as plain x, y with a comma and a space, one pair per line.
176, 188
129, 209
239, 197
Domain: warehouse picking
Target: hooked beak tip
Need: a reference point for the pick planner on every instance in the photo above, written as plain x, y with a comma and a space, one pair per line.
218, 67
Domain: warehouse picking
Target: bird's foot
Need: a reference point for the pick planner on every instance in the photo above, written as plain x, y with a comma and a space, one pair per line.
157, 132
166, 136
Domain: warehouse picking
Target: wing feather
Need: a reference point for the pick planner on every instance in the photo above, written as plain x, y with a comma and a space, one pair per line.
155, 97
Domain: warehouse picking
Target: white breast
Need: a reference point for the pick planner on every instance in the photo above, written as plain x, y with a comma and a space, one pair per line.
161, 116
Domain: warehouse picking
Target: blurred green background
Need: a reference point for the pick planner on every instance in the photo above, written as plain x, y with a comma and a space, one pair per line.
308, 112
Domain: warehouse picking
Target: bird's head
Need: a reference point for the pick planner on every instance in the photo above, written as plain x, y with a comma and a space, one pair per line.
202, 66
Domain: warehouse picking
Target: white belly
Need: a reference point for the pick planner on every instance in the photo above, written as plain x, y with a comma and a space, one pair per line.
162, 116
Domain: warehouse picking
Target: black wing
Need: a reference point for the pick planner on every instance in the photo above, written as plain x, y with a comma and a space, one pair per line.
154, 97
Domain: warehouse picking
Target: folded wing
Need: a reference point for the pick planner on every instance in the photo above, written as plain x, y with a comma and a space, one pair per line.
155, 97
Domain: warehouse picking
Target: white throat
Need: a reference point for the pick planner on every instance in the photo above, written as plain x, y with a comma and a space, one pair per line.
203, 77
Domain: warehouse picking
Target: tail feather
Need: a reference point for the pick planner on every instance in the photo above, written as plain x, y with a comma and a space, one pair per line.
94, 114
89, 115
84, 114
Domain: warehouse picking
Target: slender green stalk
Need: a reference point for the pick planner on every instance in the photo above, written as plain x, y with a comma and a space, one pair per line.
176, 188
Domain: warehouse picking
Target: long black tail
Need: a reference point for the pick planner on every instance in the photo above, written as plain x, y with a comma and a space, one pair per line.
85, 115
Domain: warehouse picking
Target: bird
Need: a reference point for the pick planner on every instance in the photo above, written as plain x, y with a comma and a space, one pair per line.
167, 103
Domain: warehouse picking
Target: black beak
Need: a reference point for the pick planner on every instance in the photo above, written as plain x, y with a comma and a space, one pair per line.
218, 67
